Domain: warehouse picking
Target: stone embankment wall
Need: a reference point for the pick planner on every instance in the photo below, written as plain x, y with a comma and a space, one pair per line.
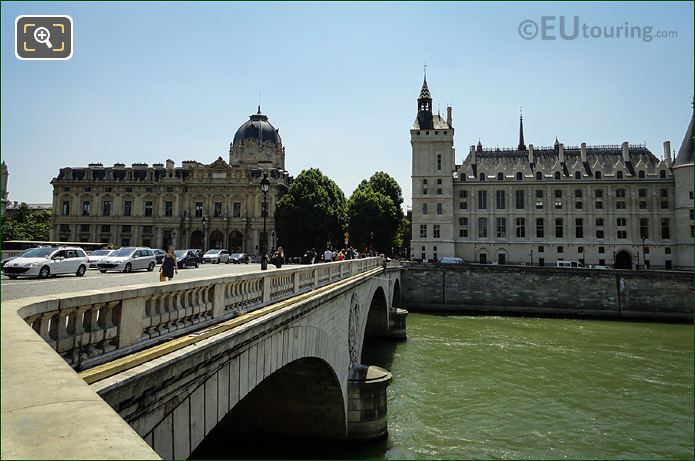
655, 295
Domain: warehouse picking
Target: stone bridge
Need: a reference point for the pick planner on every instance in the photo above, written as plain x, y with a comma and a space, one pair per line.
150, 371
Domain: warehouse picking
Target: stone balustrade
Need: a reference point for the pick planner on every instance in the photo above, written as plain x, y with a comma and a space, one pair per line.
91, 328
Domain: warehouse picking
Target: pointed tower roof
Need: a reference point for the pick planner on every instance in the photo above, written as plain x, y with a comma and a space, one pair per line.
521, 146
425, 91
685, 153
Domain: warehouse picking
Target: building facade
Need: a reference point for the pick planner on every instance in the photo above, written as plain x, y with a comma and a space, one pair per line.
194, 205
615, 205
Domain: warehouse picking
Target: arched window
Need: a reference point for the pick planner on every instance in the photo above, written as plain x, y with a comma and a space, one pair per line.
519, 177
557, 175
500, 176
539, 176
598, 175
620, 175
577, 175
641, 173
482, 176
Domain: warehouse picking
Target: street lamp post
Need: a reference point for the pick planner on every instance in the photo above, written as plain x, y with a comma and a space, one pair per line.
644, 252
265, 186
205, 234
531, 253
637, 259
371, 241
272, 235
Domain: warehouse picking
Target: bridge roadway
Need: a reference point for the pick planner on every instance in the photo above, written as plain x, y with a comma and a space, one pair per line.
168, 363
94, 280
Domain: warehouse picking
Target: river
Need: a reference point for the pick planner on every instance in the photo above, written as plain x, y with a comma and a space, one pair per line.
512, 387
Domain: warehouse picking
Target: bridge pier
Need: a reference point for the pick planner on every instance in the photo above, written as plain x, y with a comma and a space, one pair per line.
397, 328
367, 413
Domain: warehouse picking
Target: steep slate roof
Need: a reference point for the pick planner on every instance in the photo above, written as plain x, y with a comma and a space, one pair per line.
685, 153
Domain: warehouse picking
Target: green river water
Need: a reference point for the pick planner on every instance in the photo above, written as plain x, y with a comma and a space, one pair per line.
512, 387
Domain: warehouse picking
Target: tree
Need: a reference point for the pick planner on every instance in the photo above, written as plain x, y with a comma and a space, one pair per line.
374, 212
311, 214
27, 225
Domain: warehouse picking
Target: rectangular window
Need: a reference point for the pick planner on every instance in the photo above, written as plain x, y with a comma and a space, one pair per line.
692, 214
463, 194
126, 229
664, 204
463, 231
217, 210
463, 205
198, 209
519, 196
665, 229
168, 208
148, 208
482, 227
439, 208
66, 207
439, 161
500, 199
621, 223
558, 199
424, 187
482, 200
84, 227
558, 228
644, 228
578, 193
146, 229
439, 191
642, 192
105, 228
599, 233
663, 193
541, 249
539, 199
539, 228
642, 204
520, 228
236, 210
127, 208
598, 193
86, 207
599, 204
423, 231
435, 231
579, 228
106, 208
601, 250
424, 208
501, 228
560, 249
620, 193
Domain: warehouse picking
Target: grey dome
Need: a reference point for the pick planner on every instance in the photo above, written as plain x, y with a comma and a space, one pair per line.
257, 127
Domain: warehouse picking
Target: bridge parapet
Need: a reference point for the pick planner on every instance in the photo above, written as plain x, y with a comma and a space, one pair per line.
90, 328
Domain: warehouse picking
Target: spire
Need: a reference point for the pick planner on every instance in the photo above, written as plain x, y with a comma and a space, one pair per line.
424, 105
259, 110
521, 146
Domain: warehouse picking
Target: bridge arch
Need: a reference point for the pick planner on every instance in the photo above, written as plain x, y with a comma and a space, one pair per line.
301, 399
396, 298
377, 316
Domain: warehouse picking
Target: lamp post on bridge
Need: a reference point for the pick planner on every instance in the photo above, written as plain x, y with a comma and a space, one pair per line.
265, 186
205, 234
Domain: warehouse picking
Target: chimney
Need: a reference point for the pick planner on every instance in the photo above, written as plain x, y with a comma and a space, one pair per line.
561, 150
448, 116
626, 152
583, 152
530, 153
170, 164
667, 151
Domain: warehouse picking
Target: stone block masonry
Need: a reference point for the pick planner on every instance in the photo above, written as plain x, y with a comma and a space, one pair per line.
648, 295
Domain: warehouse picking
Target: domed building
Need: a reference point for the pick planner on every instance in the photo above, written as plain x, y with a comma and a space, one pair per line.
194, 205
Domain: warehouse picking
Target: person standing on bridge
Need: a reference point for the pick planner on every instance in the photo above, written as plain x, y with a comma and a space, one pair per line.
169, 264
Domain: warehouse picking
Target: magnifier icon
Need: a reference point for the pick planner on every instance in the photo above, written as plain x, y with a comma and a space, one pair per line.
42, 35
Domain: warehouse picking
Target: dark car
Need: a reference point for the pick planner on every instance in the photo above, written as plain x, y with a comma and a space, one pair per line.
238, 258
159, 254
187, 258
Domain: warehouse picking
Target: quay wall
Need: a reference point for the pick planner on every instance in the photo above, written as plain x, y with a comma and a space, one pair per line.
477, 288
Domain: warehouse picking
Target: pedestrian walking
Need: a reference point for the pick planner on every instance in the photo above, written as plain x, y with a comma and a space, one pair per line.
168, 267
327, 255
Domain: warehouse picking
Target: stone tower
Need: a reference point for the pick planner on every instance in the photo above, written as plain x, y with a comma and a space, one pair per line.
433, 162
683, 176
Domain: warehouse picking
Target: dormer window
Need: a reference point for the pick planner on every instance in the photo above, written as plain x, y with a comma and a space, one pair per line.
577, 175
619, 175
557, 175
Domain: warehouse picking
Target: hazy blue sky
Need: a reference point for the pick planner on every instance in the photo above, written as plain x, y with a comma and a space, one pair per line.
151, 81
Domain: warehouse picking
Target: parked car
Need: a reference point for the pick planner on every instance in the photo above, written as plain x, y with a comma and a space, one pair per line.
97, 255
216, 256
48, 261
159, 255
10, 258
187, 258
127, 259
600, 266
238, 258
451, 260
568, 264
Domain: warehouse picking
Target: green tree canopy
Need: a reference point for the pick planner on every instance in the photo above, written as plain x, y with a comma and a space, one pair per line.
375, 215
27, 224
311, 214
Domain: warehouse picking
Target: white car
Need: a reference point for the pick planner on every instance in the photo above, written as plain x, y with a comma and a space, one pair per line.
128, 259
451, 260
43, 262
96, 256
216, 256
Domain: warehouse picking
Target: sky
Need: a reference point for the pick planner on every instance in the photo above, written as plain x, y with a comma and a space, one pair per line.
152, 81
